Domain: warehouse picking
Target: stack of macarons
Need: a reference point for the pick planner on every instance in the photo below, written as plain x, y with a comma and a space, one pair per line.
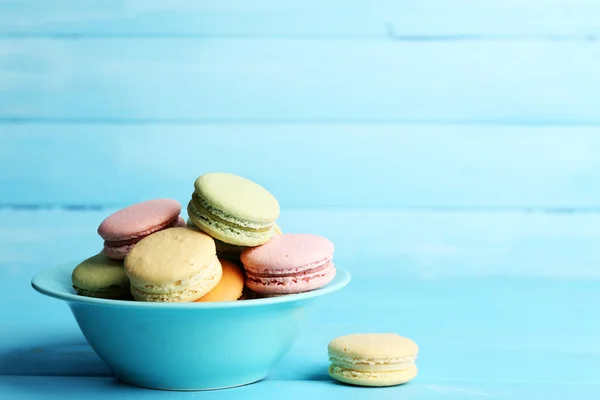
231, 248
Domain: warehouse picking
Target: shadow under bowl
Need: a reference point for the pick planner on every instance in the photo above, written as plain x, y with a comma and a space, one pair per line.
186, 346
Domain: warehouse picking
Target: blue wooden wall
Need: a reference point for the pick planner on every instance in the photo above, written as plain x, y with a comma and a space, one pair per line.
413, 103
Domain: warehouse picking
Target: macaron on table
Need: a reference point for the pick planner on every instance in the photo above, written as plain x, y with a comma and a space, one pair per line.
373, 359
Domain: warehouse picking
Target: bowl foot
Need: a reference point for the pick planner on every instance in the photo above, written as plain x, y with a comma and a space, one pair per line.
190, 389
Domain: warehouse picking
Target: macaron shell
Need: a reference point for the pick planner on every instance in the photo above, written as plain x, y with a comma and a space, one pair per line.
373, 379
288, 252
100, 276
120, 252
139, 219
373, 346
225, 192
169, 256
230, 286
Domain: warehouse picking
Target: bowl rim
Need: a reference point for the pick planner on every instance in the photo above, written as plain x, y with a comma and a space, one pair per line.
50, 282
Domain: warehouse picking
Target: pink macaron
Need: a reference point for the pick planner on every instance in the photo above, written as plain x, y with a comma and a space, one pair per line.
128, 226
290, 263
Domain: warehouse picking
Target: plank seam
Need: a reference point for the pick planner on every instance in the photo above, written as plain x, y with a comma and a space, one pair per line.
14, 120
388, 34
439, 209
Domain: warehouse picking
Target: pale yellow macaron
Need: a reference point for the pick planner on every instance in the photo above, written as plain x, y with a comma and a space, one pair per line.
375, 359
173, 265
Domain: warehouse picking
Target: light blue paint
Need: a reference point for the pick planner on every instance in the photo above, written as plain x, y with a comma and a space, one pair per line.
334, 18
334, 165
173, 80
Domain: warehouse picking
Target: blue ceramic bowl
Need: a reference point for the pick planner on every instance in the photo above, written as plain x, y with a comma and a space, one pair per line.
186, 346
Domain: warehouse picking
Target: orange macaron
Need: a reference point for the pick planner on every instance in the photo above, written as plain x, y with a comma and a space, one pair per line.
230, 286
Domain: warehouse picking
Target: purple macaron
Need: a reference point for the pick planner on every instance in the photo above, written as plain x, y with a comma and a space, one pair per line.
128, 226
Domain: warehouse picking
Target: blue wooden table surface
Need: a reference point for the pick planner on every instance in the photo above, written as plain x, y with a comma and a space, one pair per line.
503, 305
448, 149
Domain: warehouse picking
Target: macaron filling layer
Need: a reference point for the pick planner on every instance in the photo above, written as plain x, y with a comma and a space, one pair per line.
224, 232
371, 361
225, 250
290, 283
202, 208
133, 240
372, 365
305, 269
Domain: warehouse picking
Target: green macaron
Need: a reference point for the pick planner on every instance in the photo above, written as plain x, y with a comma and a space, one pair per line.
228, 251
102, 277
233, 209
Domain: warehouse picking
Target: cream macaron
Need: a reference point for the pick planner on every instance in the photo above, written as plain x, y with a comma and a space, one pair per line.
376, 359
173, 265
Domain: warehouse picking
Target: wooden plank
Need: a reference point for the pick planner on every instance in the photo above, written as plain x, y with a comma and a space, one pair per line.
408, 19
302, 80
55, 388
306, 165
402, 245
